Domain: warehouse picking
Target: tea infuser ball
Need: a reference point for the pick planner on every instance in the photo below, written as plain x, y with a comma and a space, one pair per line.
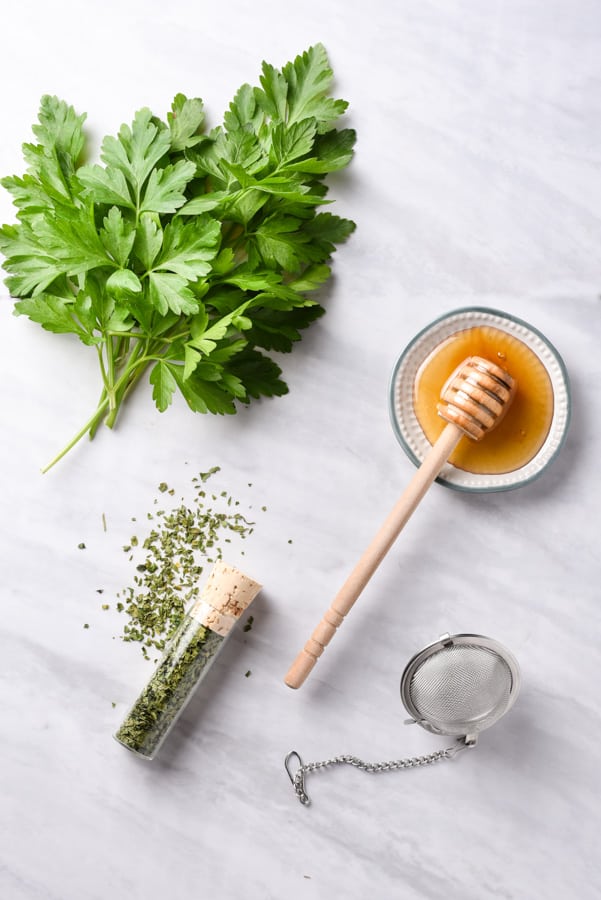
460, 685
457, 686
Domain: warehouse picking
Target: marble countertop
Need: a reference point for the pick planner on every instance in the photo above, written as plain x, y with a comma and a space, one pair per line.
477, 182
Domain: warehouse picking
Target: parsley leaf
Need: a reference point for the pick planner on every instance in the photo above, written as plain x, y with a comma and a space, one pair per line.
117, 236
164, 192
55, 314
183, 253
188, 249
309, 79
163, 385
280, 242
185, 122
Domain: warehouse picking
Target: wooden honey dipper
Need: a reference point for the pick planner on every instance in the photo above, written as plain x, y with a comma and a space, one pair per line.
473, 401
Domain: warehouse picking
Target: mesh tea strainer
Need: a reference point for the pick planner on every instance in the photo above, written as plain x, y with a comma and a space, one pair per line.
457, 686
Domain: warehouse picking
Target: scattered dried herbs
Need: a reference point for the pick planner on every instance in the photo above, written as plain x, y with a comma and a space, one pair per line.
170, 559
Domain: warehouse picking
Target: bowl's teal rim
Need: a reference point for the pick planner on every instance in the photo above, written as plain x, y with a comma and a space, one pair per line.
485, 487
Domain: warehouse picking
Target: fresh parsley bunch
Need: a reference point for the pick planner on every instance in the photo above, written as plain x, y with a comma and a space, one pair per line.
185, 253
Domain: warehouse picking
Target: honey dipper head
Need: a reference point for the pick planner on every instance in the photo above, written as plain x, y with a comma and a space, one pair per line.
476, 396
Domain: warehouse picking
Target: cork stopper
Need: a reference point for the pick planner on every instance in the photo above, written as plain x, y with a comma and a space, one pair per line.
225, 596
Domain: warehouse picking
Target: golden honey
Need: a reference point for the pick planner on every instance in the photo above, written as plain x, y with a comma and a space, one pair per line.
524, 428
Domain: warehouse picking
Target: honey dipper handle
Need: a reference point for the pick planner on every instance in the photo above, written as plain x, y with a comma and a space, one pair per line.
373, 555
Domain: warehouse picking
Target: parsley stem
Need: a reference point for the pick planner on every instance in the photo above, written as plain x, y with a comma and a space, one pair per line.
134, 375
94, 428
137, 335
132, 371
87, 427
110, 373
103, 371
119, 390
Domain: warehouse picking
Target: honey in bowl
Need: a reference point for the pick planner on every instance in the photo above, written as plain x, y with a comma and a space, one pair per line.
522, 431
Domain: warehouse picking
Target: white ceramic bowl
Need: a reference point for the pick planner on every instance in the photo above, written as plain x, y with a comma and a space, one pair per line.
409, 431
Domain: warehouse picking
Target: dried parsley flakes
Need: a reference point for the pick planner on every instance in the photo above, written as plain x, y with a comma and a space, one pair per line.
174, 553
190, 652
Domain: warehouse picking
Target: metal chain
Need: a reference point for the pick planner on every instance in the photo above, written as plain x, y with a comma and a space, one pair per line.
298, 778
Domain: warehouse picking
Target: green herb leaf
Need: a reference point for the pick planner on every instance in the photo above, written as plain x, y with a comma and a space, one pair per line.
244, 112
204, 203
171, 292
163, 385
148, 239
188, 248
289, 143
106, 185
203, 395
165, 188
60, 129
281, 243
185, 122
117, 236
137, 150
123, 281
259, 374
45, 247
54, 314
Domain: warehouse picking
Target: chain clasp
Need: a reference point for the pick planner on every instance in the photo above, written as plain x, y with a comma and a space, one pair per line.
298, 779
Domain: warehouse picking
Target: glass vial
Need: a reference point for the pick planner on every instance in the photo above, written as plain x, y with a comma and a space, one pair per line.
187, 658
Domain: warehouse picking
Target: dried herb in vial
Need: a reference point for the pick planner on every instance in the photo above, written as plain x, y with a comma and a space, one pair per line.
187, 657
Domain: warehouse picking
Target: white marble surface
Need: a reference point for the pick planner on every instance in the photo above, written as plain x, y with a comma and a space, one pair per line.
477, 181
